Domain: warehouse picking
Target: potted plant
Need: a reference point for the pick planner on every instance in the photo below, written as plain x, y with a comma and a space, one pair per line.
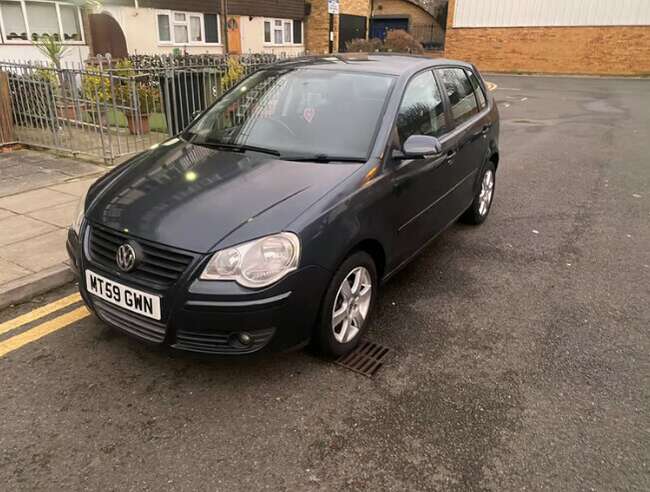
139, 95
54, 50
96, 87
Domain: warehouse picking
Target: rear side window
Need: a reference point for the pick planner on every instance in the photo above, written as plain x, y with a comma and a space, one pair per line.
460, 93
480, 96
422, 111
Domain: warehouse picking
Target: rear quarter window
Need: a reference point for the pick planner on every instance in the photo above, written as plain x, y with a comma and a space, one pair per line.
478, 90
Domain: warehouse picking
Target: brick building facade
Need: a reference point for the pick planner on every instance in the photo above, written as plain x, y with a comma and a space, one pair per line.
317, 23
566, 49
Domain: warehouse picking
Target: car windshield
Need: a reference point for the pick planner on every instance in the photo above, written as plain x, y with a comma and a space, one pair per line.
301, 114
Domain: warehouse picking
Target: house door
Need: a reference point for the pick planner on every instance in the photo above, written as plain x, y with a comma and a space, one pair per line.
107, 36
380, 27
351, 27
234, 36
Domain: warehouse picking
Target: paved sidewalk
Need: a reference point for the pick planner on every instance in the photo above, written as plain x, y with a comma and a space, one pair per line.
38, 196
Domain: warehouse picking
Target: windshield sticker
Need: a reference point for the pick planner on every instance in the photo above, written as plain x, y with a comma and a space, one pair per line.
309, 114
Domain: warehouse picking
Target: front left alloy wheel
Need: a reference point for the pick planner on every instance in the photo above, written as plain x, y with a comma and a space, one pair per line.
347, 305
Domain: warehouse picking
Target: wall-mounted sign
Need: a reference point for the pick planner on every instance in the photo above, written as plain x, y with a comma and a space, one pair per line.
332, 6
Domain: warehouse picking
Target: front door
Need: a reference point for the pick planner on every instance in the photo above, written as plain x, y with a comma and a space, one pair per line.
420, 186
234, 35
351, 27
107, 36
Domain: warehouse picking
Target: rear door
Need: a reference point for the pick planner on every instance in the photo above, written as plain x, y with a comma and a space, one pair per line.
469, 137
420, 186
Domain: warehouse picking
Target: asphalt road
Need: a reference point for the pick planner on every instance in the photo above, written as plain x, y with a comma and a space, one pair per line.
522, 350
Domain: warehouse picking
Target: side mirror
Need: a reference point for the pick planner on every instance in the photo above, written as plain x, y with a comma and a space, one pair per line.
419, 146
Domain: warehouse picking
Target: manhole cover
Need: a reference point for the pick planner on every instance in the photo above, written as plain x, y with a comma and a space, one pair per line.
366, 359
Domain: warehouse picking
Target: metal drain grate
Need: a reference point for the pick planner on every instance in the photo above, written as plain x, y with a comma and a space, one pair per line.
366, 359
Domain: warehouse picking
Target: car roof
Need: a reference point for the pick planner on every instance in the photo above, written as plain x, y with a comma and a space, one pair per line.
385, 63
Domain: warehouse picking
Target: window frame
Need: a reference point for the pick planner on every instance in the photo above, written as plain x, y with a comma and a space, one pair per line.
453, 126
170, 14
284, 22
479, 86
446, 128
23, 8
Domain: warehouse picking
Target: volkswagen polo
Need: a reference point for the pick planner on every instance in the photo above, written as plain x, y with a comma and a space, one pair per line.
274, 217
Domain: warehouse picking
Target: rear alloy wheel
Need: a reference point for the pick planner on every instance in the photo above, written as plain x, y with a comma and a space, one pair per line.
478, 211
347, 305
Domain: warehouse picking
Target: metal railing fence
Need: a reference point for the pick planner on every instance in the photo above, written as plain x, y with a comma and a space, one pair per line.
110, 109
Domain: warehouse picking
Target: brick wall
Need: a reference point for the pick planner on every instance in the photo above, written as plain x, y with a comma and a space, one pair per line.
317, 23
623, 50
402, 8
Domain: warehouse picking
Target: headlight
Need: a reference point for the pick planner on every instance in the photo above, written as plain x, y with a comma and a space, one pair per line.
257, 263
78, 216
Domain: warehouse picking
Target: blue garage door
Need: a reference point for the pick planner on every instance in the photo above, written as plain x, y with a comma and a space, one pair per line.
380, 27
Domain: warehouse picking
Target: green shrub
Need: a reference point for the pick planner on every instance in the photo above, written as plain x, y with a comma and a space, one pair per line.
399, 41
364, 45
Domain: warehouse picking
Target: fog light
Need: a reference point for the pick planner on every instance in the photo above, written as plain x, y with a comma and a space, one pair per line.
245, 339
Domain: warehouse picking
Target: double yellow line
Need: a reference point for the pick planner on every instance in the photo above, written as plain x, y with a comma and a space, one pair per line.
43, 329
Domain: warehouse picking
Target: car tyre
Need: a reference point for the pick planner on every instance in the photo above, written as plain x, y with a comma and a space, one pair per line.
480, 207
346, 309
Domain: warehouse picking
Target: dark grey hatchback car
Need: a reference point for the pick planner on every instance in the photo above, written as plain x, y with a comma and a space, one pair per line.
275, 216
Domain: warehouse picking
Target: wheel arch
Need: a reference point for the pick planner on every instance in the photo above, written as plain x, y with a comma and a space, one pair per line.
376, 251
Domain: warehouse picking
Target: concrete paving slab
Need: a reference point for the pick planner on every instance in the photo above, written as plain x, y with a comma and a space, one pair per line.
17, 228
13, 185
77, 187
76, 168
10, 271
34, 200
38, 254
21, 169
59, 215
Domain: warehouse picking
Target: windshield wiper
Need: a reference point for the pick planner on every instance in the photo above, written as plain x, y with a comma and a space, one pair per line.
321, 158
217, 144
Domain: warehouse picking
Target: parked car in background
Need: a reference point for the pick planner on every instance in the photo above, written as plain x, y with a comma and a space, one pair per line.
275, 216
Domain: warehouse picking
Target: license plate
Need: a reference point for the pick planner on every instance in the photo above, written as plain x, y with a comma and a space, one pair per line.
126, 297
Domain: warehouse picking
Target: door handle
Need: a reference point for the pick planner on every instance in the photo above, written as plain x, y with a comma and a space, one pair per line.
450, 156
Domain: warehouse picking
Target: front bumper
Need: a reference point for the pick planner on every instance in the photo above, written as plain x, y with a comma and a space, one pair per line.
208, 317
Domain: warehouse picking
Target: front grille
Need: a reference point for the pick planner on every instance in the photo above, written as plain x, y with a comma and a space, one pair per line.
220, 343
160, 267
139, 326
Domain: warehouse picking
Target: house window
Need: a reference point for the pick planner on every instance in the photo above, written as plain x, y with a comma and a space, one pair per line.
282, 32
187, 28
28, 20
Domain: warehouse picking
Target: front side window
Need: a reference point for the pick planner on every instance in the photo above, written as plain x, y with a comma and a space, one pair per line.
14, 21
164, 33
298, 112
422, 111
460, 93
195, 28
70, 23
29, 20
267, 31
188, 28
282, 32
